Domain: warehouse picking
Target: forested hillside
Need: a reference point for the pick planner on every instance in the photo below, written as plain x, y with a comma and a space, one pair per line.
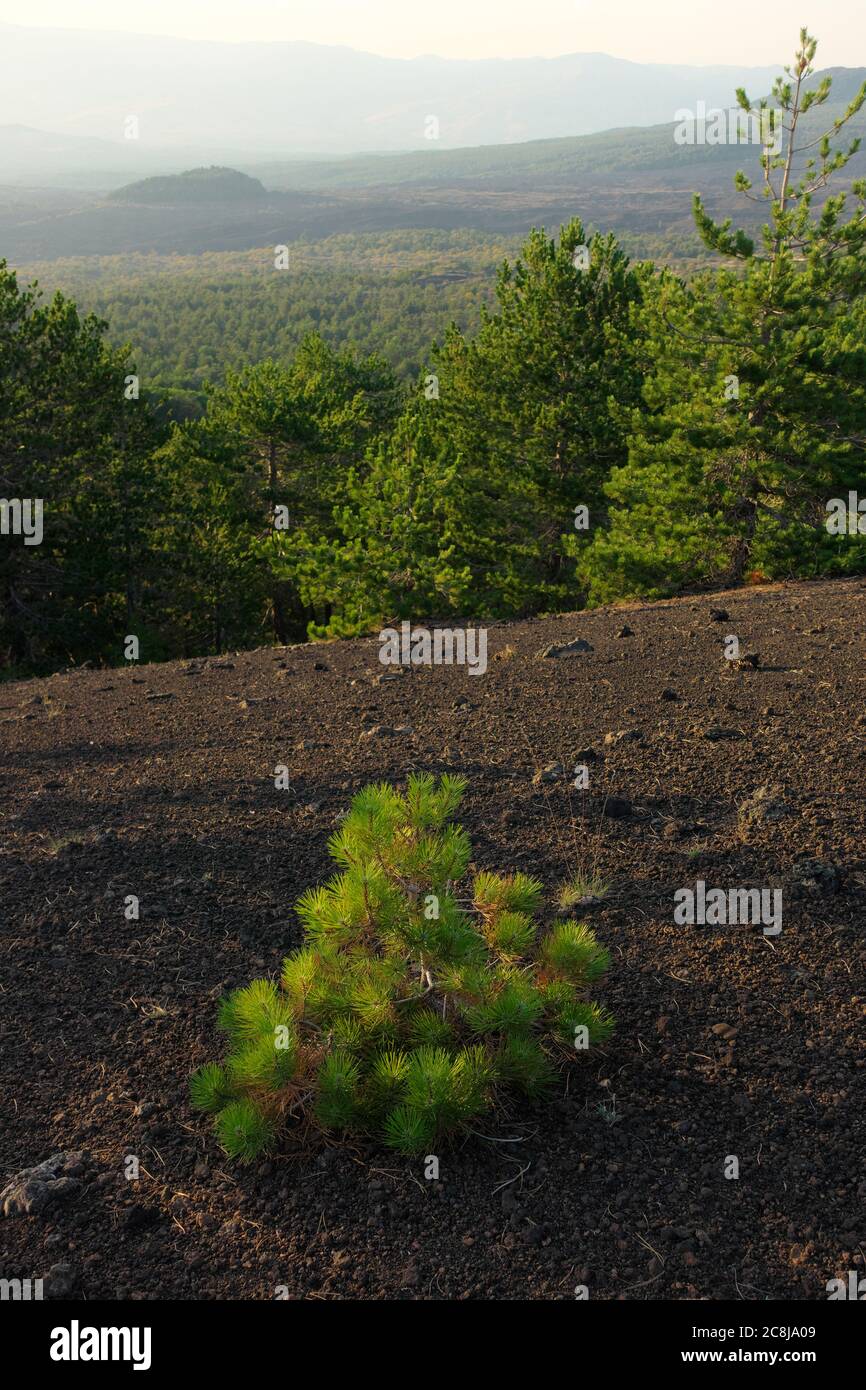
591, 426
189, 319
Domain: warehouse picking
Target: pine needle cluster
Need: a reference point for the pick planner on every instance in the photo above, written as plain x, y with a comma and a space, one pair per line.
409, 1010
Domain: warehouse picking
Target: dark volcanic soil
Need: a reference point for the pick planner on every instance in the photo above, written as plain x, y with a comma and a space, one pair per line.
158, 782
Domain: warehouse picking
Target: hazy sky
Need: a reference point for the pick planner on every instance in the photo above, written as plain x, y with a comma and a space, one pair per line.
679, 31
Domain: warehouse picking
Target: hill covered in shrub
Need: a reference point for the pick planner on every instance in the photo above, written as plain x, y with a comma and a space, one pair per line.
210, 185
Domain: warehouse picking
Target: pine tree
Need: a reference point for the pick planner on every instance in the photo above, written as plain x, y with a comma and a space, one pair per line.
384, 557
72, 438
296, 430
206, 542
409, 1009
469, 508
753, 416
526, 407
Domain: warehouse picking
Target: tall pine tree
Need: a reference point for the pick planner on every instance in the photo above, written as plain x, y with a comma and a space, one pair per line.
754, 414
469, 508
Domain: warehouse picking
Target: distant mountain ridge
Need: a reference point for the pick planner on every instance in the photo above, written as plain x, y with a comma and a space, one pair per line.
295, 98
601, 157
41, 158
635, 180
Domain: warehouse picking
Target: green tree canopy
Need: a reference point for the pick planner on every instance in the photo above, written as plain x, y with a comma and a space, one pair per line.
753, 416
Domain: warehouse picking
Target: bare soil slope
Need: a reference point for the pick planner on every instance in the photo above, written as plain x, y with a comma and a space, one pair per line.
159, 782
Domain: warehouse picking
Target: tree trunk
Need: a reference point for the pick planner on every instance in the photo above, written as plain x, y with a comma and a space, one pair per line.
747, 515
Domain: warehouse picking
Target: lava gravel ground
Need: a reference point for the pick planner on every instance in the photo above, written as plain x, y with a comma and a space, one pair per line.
158, 782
